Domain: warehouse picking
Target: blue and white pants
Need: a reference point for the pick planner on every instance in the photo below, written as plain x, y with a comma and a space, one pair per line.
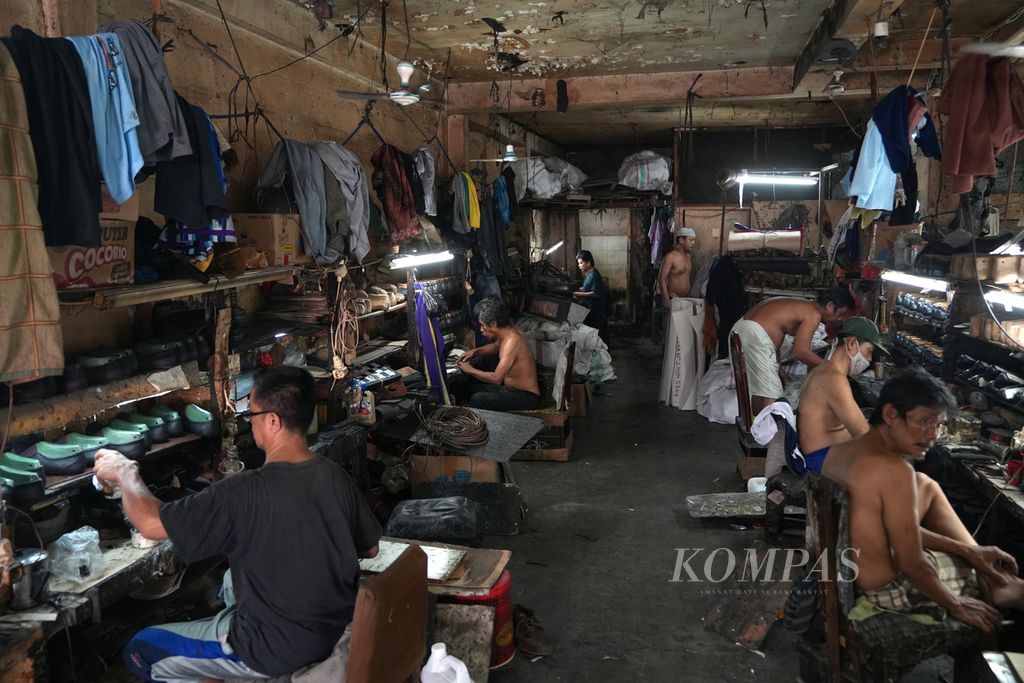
189, 651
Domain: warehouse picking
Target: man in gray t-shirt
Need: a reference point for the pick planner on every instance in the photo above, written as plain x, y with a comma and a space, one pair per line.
293, 532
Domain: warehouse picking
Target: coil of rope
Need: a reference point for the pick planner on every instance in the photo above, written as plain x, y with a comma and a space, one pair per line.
454, 426
344, 329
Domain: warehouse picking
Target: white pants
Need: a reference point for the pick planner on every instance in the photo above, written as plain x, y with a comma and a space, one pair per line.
683, 364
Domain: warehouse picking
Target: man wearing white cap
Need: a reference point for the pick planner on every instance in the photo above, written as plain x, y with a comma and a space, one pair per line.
677, 268
683, 323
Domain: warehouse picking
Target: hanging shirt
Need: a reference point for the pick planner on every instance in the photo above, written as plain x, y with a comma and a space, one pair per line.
873, 181
423, 159
474, 202
500, 192
61, 126
162, 133
347, 170
113, 112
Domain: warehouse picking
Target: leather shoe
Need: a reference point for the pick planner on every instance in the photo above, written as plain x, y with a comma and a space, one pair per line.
530, 636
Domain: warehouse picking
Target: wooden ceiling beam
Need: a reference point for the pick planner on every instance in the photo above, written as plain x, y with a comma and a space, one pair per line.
900, 55
862, 15
584, 92
834, 15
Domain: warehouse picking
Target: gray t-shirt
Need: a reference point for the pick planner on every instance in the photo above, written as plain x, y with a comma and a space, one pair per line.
292, 534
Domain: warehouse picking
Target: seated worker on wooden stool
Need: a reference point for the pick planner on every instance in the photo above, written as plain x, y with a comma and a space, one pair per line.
827, 413
763, 328
293, 532
910, 547
511, 383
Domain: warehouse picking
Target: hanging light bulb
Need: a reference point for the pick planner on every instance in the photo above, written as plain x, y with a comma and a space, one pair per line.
510, 154
405, 70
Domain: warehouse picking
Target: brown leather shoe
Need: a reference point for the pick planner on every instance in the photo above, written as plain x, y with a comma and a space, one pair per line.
530, 636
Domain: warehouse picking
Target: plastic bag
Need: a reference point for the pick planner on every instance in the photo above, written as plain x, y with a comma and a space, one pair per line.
76, 556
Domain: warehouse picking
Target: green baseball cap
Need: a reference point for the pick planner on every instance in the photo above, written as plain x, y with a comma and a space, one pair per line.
863, 329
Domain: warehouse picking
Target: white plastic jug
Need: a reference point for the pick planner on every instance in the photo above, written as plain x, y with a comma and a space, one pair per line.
444, 668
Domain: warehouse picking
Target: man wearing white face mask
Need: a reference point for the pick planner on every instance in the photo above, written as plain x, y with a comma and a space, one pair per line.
827, 413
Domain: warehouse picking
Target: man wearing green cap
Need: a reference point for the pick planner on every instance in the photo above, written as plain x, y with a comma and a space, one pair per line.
827, 413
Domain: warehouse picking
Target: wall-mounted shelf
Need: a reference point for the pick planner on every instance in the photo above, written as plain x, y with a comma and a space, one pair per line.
375, 351
374, 314
81, 405
131, 295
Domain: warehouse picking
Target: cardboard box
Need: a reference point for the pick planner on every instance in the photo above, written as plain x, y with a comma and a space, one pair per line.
111, 263
129, 211
550, 307
451, 468
276, 234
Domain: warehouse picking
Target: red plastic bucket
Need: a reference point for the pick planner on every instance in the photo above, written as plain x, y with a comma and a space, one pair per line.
503, 646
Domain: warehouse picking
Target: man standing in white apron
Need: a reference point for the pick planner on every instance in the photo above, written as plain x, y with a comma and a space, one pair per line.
683, 321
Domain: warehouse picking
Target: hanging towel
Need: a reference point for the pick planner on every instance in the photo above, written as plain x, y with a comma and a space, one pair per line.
683, 363
113, 112
474, 202
29, 311
63, 142
162, 133
391, 184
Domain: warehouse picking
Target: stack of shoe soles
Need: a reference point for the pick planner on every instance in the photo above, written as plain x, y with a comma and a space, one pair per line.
303, 307
103, 366
21, 480
990, 378
164, 354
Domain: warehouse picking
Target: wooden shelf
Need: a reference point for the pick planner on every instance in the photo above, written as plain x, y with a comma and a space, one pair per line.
379, 351
80, 405
374, 314
131, 295
56, 484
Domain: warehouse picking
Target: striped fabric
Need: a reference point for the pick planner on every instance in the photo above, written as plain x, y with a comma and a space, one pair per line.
31, 344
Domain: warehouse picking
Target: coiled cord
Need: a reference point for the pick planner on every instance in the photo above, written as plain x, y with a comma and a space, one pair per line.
454, 426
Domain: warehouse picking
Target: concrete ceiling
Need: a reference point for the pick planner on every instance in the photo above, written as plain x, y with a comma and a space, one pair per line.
628, 63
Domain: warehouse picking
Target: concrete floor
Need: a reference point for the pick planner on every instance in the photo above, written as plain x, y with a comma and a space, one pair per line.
598, 550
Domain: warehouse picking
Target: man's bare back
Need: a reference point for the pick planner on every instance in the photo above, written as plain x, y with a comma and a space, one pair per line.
826, 408
868, 477
523, 373
784, 315
675, 276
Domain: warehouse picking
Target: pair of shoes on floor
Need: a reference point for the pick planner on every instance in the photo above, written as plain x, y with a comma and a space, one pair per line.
530, 636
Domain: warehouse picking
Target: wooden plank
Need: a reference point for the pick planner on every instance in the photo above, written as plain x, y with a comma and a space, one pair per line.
624, 90
84, 404
900, 55
830, 19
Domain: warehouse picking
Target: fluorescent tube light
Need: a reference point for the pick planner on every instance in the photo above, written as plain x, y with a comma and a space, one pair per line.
927, 283
748, 179
1007, 299
421, 260
552, 249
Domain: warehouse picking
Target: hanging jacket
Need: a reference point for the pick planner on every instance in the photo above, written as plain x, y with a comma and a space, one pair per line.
415, 184
474, 201
162, 133
189, 189
896, 126
113, 112
60, 124
348, 172
424, 161
391, 184
725, 290
984, 103
501, 201
460, 204
510, 188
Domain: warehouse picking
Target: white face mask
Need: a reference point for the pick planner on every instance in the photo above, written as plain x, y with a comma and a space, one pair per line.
858, 363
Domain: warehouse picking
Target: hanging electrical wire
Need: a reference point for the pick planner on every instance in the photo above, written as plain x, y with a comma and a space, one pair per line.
454, 426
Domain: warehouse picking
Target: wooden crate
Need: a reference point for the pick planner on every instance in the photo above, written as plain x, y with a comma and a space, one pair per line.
557, 432
579, 401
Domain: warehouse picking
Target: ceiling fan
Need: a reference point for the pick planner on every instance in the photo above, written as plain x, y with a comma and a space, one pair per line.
507, 158
405, 95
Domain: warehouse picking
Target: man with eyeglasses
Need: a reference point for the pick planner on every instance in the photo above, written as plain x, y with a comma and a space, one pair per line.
909, 545
293, 532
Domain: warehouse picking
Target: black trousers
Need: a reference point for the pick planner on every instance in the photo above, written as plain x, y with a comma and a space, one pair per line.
500, 398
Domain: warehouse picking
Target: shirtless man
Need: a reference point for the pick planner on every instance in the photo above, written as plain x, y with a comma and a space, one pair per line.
910, 545
763, 328
512, 384
676, 268
827, 414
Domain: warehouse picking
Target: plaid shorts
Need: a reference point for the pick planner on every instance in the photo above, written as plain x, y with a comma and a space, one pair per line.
900, 595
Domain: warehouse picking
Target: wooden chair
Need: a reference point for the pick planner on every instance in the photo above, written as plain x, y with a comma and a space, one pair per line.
752, 453
389, 625
883, 647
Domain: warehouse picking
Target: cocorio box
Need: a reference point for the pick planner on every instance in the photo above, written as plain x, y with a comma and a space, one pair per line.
111, 263
277, 234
